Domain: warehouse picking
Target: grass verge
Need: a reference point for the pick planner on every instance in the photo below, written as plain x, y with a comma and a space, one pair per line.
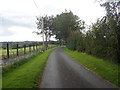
105, 69
28, 74
17, 63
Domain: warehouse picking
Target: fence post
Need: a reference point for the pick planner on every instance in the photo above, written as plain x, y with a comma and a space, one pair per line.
7, 50
29, 48
24, 49
39, 45
36, 47
33, 48
17, 49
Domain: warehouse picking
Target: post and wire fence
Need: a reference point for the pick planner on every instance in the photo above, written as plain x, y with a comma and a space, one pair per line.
16, 50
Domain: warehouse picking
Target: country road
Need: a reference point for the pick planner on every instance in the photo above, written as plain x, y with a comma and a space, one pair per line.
63, 72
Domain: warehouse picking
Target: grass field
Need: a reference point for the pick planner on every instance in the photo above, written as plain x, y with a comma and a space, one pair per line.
28, 74
105, 69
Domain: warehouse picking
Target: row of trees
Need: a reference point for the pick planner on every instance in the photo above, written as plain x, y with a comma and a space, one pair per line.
59, 26
101, 40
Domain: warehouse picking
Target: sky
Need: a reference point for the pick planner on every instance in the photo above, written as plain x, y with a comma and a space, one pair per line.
18, 17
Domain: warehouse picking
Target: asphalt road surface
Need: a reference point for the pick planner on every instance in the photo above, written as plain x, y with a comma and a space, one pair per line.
63, 72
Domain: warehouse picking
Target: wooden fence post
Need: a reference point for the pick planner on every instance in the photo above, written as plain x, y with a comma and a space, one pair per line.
17, 49
33, 47
29, 48
24, 49
36, 47
39, 46
7, 50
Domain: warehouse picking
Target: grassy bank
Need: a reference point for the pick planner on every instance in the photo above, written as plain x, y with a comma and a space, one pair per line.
28, 74
105, 69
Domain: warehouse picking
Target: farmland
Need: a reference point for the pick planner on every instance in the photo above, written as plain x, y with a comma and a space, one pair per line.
13, 52
19, 49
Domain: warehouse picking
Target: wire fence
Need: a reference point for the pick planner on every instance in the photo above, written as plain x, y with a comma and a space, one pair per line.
18, 50
11, 52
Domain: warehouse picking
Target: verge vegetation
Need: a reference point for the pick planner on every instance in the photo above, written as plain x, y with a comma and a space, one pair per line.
107, 70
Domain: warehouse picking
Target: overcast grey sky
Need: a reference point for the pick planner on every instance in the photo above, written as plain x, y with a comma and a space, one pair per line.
17, 17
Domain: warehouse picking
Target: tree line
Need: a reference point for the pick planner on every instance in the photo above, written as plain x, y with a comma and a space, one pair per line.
102, 39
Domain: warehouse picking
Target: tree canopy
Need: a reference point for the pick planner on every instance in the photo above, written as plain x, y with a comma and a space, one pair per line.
64, 23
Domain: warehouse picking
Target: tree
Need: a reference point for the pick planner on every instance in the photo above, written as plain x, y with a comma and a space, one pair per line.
64, 23
47, 26
113, 21
76, 41
102, 39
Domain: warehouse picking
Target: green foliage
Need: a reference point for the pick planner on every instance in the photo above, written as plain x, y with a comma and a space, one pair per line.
44, 25
112, 19
64, 23
60, 26
75, 41
107, 70
102, 39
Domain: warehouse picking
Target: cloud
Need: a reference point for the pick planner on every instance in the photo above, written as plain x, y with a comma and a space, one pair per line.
20, 34
18, 16
6, 32
9, 20
23, 21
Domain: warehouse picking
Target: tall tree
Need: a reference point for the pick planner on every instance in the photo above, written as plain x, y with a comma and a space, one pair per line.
113, 21
64, 23
47, 26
